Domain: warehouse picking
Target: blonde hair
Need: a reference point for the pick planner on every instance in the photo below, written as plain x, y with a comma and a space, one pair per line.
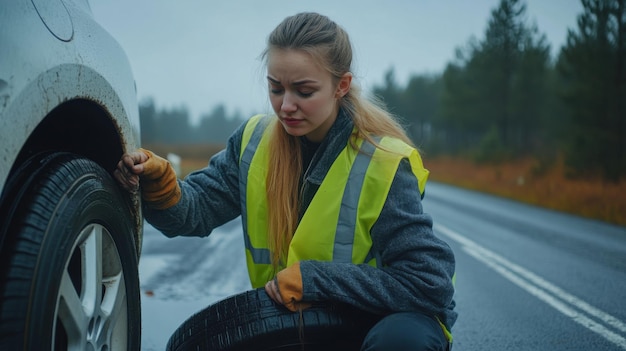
330, 46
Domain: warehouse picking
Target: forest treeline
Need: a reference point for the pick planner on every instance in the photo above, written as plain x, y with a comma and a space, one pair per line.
501, 98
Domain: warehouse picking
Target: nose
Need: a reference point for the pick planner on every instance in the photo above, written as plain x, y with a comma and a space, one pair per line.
289, 103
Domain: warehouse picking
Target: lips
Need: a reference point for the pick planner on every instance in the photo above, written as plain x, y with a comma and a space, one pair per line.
291, 122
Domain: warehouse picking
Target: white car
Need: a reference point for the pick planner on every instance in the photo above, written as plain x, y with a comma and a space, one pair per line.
70, 238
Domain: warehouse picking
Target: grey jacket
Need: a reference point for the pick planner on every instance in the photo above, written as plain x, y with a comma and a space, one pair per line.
417, 269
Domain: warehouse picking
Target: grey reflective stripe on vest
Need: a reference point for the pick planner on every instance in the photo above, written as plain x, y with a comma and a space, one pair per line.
344, 237
346, 225
258, 255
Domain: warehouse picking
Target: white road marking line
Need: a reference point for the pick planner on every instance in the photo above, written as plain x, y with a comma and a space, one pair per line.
541, 289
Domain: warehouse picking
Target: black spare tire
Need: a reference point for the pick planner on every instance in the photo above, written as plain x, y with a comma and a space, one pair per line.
68, 272
253, 321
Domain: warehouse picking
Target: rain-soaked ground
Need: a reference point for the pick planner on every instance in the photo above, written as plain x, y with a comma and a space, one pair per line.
180, 276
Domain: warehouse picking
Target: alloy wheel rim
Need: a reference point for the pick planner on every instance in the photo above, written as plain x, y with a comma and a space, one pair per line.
91, 308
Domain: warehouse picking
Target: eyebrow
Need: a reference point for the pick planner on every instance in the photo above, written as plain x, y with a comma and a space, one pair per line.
297, 83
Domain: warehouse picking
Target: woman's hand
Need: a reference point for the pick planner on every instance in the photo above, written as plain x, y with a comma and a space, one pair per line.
159, 188
289, 283
129, 168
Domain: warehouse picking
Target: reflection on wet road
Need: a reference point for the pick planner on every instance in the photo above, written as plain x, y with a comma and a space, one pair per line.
180, 276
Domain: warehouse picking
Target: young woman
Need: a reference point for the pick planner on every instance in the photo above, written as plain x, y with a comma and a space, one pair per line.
329, 190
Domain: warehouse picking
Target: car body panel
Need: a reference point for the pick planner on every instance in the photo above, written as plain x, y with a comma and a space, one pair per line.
32, 84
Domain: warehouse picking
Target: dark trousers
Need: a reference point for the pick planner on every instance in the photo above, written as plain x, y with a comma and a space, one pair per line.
406, 331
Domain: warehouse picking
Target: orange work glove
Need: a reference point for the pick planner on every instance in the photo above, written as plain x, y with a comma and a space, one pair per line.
290, 287
159, 184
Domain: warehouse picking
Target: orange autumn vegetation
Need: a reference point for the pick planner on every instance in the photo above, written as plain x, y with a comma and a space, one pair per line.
523, 181
527, 182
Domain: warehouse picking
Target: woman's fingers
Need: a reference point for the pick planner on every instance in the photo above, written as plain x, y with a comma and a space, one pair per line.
129, 183
130, 166
134, 161
271, 288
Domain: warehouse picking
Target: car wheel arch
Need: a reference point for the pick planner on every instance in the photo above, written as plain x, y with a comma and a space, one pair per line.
67, 87
93, 134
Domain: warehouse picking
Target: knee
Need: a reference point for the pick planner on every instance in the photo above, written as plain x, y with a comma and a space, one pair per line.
405, 332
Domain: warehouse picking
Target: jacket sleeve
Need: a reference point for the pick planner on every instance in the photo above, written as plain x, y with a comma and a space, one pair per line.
209, 196
417, 267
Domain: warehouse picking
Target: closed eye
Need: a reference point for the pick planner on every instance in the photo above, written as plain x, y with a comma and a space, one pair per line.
302, 90
275, 86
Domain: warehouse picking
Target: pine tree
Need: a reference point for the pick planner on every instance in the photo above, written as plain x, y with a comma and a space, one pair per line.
592, 70
497, 87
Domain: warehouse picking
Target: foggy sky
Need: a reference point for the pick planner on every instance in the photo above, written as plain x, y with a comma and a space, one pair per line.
200, 53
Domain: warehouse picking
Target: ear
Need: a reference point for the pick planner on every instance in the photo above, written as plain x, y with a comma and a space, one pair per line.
343, 87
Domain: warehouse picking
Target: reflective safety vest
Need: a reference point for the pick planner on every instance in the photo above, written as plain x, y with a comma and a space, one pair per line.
336, 225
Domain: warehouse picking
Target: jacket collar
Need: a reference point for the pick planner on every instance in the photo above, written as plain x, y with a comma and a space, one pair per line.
334, 142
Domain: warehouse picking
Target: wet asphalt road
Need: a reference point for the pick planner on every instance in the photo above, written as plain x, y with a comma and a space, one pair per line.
527, 278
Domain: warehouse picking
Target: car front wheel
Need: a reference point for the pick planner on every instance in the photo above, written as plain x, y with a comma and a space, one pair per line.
69, 276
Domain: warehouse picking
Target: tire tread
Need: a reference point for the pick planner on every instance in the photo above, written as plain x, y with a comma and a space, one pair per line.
32, 201
251, 320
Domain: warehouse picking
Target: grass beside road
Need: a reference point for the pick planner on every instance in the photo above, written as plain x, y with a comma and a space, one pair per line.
523, 181
527, 182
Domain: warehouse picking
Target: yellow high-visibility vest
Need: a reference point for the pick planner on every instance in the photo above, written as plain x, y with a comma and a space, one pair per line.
336, 225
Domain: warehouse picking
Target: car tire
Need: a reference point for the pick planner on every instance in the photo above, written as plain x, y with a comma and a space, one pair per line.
69, 276
253, 321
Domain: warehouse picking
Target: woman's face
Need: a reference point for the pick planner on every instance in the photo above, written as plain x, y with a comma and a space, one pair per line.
303, 94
